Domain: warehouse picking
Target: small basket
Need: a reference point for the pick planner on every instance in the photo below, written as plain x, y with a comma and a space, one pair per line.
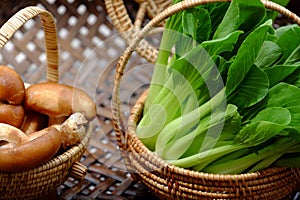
42, 180
170, 182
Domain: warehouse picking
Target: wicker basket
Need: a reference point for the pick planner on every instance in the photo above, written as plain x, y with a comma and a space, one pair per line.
44, 179
170, 182
118, 13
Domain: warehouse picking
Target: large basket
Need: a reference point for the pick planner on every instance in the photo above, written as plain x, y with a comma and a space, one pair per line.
170, 182
42, 180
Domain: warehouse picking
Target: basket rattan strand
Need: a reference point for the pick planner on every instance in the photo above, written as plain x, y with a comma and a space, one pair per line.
44, 179
171, 182
117, 11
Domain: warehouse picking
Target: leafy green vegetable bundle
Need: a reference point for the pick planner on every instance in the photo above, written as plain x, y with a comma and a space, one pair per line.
225, 96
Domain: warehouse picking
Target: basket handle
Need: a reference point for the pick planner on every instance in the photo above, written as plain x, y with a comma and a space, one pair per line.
127, 29
134, 44
21, 17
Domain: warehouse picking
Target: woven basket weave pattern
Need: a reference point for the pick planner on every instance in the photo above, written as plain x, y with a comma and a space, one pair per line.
107, 177
44, 178
168, 181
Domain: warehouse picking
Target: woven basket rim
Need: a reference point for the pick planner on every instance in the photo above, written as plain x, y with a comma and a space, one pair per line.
134, 45
65, 156
124, 58
169, 180
132, 124
51, 43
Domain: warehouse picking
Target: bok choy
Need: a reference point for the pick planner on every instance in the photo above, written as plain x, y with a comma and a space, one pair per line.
224, 93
